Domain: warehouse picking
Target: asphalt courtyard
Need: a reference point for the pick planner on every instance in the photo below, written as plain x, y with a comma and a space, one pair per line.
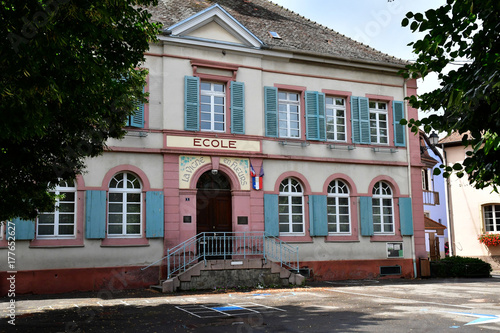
433, 305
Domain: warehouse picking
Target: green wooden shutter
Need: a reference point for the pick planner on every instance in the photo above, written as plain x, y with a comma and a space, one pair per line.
154, 214
360, 117
237, 107
191, 103
399, 130
24, 229
271, 215
322, 116
318, 218
315, 116
271, 111
405, 217
366, 216
137, 118
95, 214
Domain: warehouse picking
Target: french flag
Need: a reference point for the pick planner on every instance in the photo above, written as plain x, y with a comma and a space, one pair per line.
257, 180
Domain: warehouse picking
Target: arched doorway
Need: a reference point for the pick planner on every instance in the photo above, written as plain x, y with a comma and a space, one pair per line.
213, 203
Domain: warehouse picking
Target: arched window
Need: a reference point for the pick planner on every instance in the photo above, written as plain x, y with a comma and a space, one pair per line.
125, 205
338, 209
291, 207
383, 212
60, 223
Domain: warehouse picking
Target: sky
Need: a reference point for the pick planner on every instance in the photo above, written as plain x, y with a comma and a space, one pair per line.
376, 23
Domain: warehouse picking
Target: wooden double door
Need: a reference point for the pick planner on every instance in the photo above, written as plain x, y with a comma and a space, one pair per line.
214, 211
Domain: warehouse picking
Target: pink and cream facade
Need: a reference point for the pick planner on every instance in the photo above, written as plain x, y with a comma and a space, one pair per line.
341, 178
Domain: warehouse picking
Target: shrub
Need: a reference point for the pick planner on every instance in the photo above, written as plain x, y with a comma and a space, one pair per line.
457, 266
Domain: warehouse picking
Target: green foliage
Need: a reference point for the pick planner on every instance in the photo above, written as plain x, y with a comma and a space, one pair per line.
457, 266
465, 31
69, 81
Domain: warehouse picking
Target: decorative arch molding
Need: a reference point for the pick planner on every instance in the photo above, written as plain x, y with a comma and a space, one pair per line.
296, 175
346, 179
392, 183
233, 179
126, 168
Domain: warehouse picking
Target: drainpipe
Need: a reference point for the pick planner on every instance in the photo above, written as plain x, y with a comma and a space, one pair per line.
449, 210
408, 157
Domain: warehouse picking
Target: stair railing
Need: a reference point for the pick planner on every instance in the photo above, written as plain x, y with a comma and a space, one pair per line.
222, 245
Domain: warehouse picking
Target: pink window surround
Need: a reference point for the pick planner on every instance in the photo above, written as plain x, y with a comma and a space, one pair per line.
77, 241
396, 194
347, 96
301, 90
390, 117
353, 201
226, 81
136, 241
306, 192
146, 111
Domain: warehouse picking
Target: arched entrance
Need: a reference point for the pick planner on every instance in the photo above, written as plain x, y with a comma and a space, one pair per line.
213, 203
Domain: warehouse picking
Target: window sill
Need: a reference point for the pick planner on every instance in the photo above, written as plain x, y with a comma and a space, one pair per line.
56, 243
385, 238
342, 238
111, 242
296, 239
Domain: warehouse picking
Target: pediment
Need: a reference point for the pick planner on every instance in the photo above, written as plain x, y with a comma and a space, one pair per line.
217, 25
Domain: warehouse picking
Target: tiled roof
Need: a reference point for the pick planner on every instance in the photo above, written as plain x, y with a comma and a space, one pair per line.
261, 16
453, 138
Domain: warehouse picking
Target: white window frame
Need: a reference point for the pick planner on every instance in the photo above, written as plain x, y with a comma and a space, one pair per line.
213, 94
290, 189
286, 115
337, 189
495, 218
125, 190
380, 193
58, 214
376, 126
332, 119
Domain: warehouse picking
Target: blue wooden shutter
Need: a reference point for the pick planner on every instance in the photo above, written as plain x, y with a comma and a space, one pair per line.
399, 130
318, 218
322, 116
315, 116
154, 214
95, 214
191, 103
25, 230
366, 216
360, 117
237, 107
271, 111
405, 217
137, 119
271, 215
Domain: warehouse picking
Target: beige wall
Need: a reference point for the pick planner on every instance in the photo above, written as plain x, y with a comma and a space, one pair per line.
467, 204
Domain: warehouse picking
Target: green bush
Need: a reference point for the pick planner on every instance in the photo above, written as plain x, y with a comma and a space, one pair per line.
457, 266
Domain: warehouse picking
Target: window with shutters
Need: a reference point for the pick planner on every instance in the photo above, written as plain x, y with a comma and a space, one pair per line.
206, 105
289, 114
338, 208
291, 208
125, 206
379, 133
61, 222
382, 209
335, 119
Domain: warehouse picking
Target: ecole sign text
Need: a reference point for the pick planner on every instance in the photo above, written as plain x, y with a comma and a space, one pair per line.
190, 142
214, 143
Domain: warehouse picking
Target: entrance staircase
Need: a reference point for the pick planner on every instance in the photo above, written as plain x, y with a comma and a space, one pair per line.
229, 259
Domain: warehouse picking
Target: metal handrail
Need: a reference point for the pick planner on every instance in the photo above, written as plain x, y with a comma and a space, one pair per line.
225, 244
